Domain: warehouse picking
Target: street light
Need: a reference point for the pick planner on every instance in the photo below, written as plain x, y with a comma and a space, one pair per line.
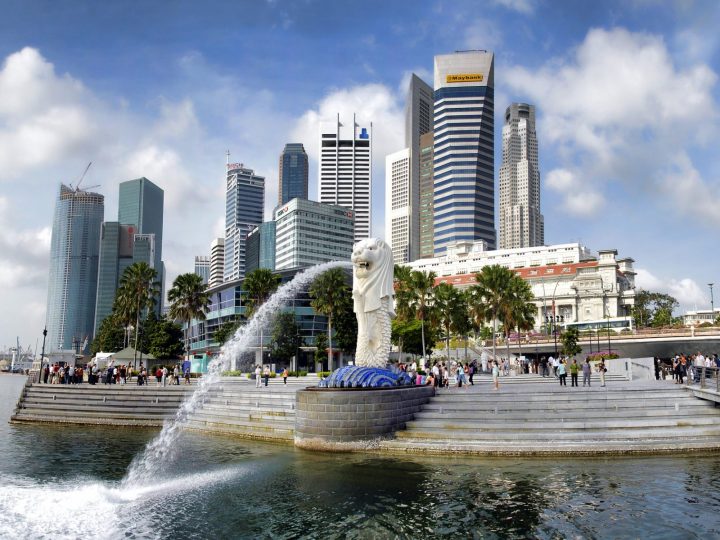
712, 303
42, 354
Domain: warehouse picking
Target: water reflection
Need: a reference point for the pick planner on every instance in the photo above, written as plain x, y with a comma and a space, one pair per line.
221, 487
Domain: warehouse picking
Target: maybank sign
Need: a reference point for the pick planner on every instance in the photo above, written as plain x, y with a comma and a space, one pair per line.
464, 77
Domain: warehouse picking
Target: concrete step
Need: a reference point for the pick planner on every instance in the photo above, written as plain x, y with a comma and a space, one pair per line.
235, 412
57, 413
543, 415
89, 407
25, 417
542, 437
559, 423
249, 419
246, 429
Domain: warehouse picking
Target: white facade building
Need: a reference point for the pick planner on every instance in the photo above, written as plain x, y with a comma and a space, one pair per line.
309, 233
217, 262
701, 316
521, 223
569, 282
399, 220
244, 205
345, 171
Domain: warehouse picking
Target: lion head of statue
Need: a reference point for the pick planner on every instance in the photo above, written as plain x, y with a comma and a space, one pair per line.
372, 271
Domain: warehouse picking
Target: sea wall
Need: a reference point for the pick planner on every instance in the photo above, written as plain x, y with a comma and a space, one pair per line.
345, 419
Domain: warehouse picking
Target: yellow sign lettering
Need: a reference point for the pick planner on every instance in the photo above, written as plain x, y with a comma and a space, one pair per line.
464, 77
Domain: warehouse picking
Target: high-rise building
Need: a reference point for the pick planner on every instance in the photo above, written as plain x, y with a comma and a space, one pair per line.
244, 203
135, 237
202, 267
418, 121
309, 233
464, 200
217, 262
427, 192
293, 176
260, 248
74, 256
398, 206
141, 204
345, 170
521, 223
120, 247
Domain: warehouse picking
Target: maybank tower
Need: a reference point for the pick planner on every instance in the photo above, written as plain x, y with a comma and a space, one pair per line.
464, 182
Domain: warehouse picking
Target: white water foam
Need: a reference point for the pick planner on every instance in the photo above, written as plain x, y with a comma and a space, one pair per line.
160, 450
90, 509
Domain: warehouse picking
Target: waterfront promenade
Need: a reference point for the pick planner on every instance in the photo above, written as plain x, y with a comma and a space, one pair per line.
528, 415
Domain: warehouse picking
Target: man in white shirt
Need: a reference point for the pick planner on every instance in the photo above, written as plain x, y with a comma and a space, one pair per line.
258, 373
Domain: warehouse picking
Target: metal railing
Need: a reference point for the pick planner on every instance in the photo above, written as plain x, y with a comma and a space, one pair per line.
709, 378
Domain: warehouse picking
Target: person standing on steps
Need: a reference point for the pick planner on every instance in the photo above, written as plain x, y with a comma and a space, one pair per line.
258, 373
574, 369
587, 370
561, 373
602, 370
266, 374
285, 375
496, 374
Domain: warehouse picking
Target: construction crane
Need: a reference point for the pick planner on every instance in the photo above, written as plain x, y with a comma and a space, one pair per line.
77, 186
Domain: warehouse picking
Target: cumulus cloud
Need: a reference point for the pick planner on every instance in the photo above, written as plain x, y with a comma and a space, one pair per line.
579, 199
482, 34
611, 109
686, 291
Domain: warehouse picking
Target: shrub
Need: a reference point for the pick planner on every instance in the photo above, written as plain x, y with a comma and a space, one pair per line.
232, 373
323, 374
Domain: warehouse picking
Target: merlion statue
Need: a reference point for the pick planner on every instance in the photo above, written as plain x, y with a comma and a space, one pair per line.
373, 301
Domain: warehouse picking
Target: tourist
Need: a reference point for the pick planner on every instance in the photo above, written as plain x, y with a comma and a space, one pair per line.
176, 375
656, 364
285, 375
484, 362
158, 376
71, 375
586, 369
266, 374
574, 370
561, 373
431, 380
258, 373
496, 375
602, 370
186, 370
164, 376
461, 376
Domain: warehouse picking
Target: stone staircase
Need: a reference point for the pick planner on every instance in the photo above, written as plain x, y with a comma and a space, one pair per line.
238, 408
119, 405
538, 419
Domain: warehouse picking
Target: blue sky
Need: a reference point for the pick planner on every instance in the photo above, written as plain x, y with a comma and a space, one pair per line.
626, 95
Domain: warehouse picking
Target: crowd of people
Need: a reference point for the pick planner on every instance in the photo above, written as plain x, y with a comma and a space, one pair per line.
121, 374
687, 366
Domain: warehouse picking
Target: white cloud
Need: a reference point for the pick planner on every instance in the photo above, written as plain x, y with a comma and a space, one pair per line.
684, 186
482, 34
521, 6
620, 109
686, 291
579, 199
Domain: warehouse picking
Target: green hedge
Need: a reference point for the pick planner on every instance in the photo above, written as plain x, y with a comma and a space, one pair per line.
323, 374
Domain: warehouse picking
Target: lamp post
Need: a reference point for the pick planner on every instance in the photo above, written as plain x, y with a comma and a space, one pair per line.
42, 354
712, 303
297, 352
555, 319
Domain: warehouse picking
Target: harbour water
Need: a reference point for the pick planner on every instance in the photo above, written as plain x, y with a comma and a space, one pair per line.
67, 482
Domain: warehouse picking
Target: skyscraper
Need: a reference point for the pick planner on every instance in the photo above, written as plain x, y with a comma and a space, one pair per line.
217, 261
74, 255
464, 199
293, 176
427, 191
399, 216
260, 248
245, 199
135, 237
521, 223
418, 121
120, 246
141, 204
345, 170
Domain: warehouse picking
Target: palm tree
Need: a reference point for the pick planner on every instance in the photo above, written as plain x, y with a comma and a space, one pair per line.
138, 289
258, 286
329, 292
403, 310
519, 311
449, 305
190, 300
421, 295
490, 296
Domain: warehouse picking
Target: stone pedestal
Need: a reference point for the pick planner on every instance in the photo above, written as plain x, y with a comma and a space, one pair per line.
344, 419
